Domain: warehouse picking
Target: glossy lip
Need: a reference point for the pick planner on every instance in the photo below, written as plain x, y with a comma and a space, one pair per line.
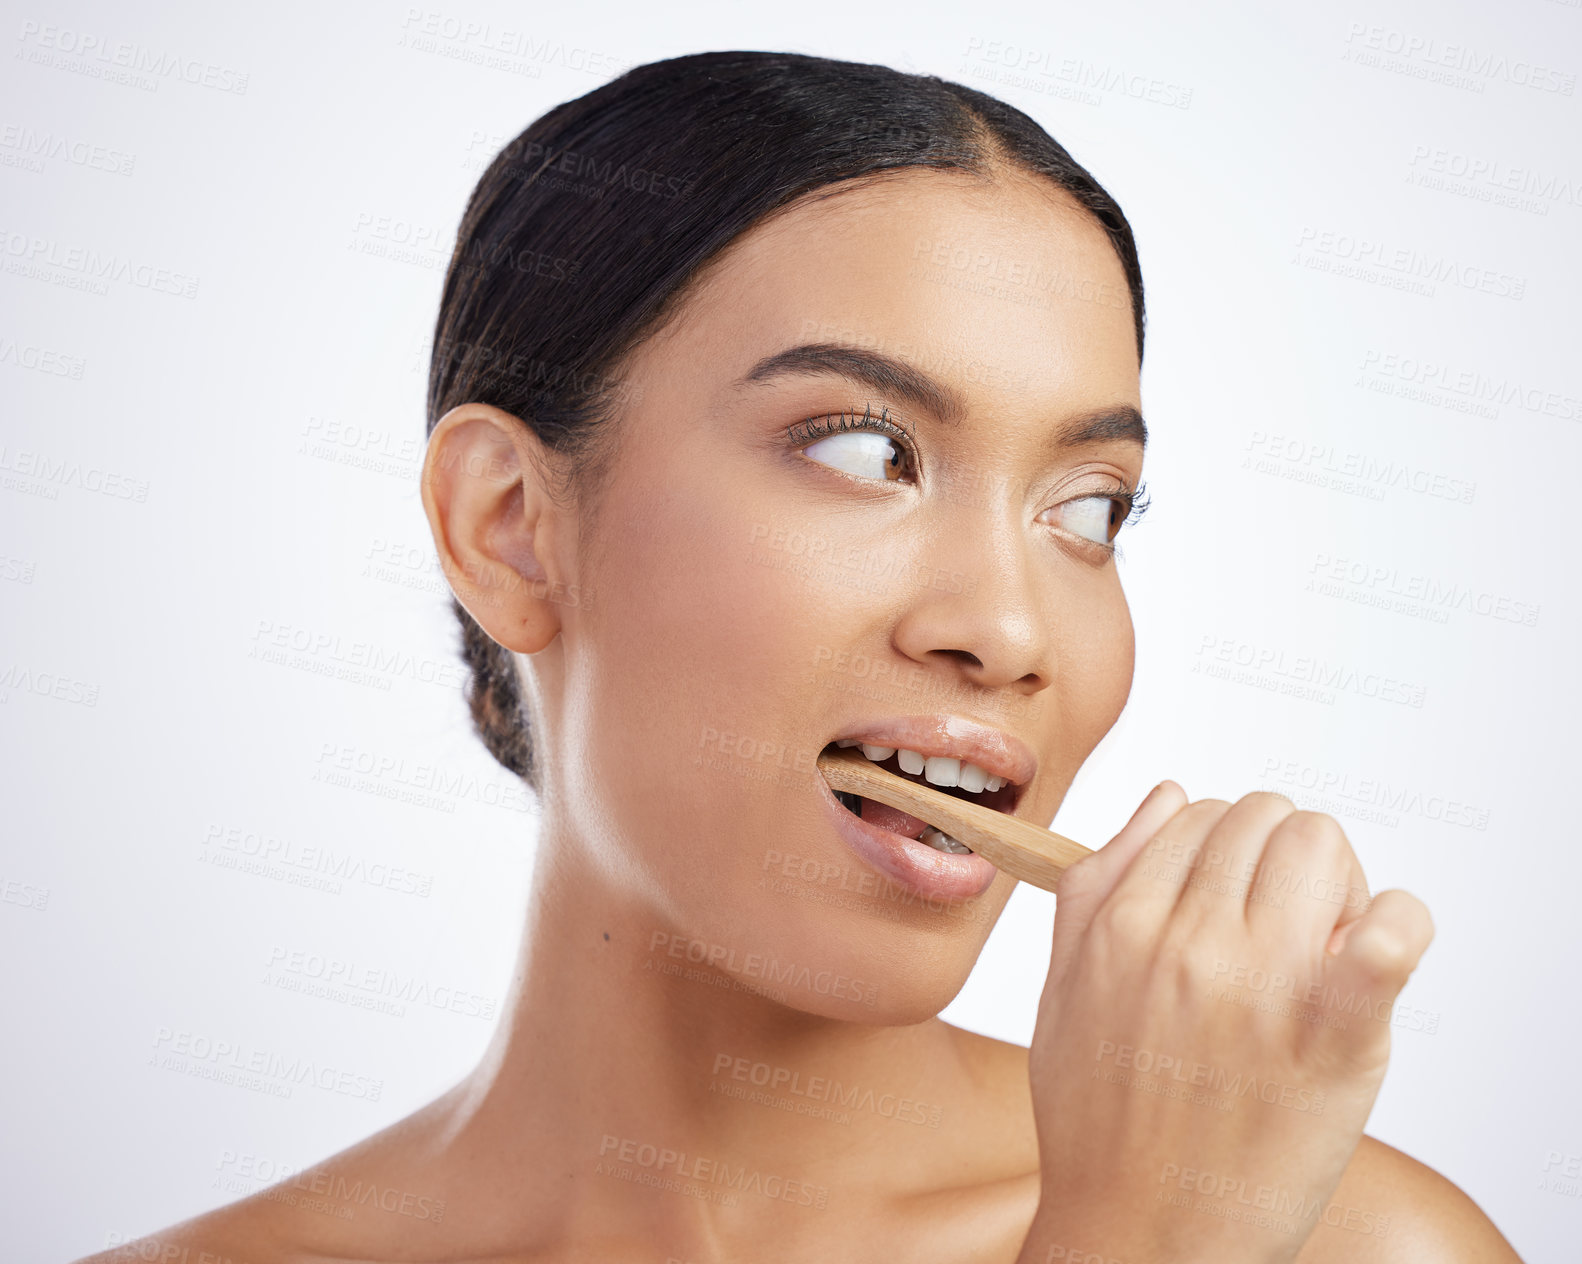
956, 737
932, 874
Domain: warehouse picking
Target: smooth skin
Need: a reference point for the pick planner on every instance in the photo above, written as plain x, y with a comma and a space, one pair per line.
660, 625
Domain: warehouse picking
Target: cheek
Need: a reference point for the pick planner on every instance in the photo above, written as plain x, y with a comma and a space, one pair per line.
1093, 660
686, 678
699, 594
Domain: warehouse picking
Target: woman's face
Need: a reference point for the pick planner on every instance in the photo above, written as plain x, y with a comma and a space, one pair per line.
760, 590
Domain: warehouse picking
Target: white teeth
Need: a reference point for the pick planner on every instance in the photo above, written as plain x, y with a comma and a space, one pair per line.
937, 770
941, 841
972, 778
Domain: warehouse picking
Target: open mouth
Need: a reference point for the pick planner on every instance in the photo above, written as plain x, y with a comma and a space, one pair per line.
1002, 799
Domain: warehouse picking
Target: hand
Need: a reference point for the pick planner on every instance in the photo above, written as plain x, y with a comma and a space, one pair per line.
1212, 1033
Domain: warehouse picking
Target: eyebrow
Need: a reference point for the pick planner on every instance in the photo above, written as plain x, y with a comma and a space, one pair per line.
889, 375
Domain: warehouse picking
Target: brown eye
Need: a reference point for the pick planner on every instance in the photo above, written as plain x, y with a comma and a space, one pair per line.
864, 453
865, 446
1099, 517
1095, 518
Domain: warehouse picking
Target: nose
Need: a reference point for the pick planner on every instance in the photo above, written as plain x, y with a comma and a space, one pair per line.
977, 610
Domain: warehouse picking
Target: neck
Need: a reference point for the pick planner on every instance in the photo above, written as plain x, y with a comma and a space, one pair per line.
611, 1043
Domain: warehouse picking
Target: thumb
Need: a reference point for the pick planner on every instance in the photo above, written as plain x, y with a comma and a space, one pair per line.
1102, 870
1087, 884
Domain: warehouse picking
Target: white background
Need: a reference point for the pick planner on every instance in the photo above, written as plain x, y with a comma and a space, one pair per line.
243, 461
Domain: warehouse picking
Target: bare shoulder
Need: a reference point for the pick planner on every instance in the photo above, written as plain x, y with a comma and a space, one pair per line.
233, 1234
1391, 1209
366, 1201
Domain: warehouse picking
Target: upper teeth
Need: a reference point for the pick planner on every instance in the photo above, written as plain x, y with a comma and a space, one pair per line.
937, 770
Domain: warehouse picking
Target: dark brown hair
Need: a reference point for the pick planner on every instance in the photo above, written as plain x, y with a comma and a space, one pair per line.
585, 231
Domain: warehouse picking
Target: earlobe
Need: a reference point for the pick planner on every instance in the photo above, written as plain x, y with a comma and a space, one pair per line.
493, 524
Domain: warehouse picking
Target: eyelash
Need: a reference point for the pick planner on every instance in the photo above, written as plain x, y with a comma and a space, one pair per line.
806, 432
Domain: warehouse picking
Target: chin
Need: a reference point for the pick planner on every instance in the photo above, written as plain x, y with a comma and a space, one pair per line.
864, 962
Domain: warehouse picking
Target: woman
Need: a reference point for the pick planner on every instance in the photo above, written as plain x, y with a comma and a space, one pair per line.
780, 403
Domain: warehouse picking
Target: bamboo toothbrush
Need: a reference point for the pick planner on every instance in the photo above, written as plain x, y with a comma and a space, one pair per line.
1020, 848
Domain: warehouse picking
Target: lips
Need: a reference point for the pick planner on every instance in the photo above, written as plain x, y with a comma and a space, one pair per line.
888, 839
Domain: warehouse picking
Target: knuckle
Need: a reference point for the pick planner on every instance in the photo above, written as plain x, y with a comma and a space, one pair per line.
1272, 798
1126, 922
1314, 831
1079, 879
1389, 953
1191, 959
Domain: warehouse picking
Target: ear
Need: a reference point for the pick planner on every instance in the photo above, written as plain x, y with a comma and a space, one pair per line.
496, 526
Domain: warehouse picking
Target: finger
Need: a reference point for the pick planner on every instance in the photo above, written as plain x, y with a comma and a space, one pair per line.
1153, 880
1086, 884
1393, 921
1307, 877
1358, 900
1376, 954
1099, 872
1224, 866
